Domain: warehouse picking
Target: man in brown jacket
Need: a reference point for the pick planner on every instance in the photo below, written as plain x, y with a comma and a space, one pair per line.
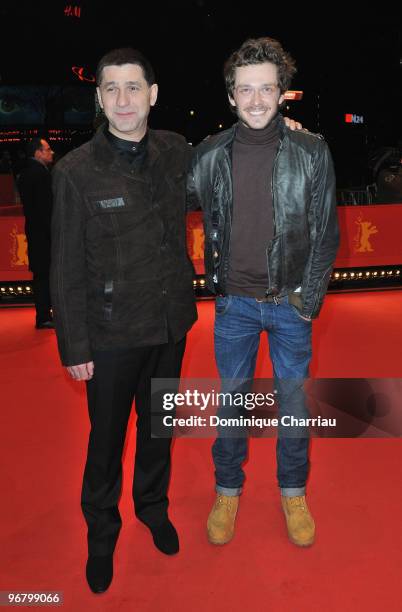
122, 296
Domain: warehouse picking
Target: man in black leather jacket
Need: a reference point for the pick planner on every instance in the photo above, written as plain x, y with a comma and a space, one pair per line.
271, 236
123, 296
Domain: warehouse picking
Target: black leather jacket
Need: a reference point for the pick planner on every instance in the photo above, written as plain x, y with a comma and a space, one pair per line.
306, 235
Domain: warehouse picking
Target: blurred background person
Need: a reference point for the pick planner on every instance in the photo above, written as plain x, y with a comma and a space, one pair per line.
389, 182
35, 187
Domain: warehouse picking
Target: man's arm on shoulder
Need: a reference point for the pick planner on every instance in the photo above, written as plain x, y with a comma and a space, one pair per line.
68, 276
324, 232
292, 124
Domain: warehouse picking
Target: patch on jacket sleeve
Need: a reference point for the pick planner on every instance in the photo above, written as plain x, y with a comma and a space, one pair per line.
112, 203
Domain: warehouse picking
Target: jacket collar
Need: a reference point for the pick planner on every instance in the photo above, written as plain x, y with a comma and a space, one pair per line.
32, 161
225, 139
106, 156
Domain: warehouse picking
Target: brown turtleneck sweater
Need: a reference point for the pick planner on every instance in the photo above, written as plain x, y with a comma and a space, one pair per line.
254, 153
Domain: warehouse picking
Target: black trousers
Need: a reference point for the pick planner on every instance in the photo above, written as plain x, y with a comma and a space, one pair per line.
42, 295
120, 376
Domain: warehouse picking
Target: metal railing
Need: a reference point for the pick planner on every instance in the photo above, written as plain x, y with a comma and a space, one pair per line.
357, 197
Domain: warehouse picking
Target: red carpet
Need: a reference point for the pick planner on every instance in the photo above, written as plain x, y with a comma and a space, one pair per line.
355, 489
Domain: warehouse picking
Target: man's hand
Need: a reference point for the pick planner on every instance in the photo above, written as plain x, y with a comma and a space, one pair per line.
83, 371
292, 124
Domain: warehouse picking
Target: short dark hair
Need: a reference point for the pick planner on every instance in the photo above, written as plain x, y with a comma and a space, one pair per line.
259, 51
125, 55
32, 146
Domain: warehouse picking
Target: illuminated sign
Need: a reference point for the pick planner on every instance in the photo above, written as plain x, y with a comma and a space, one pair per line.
349, 118
79, 72
72, 10
292, 94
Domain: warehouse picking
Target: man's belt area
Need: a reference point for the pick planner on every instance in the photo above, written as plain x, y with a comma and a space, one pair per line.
293, 298
269, 299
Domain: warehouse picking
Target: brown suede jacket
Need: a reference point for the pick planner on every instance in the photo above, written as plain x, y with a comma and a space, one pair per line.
120, 274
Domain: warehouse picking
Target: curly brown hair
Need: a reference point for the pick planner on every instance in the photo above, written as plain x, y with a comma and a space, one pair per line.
258, 51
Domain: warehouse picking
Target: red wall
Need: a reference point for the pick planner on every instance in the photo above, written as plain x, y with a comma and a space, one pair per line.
370, 236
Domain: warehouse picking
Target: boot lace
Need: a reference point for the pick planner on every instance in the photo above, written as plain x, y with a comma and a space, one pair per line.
298, 502
224, 500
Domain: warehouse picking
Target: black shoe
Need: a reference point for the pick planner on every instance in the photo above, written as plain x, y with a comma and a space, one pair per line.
99, 573
165, 538
45, 325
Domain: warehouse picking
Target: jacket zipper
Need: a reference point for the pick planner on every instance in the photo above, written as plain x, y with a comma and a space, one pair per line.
225, 261
273, 211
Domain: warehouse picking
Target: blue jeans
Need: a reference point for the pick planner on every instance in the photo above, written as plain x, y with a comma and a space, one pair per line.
239, 322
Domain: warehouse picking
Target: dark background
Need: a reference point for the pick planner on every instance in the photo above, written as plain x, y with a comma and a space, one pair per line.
348, 58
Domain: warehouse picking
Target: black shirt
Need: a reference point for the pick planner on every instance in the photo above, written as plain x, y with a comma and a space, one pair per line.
133, 153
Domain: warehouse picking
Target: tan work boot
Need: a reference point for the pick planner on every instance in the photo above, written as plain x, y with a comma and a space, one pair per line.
221, 520
300, 523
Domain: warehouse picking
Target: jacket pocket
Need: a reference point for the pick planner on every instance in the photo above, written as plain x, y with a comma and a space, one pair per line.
295, 251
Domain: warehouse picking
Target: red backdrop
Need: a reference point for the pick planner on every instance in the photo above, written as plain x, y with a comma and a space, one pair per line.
370, 236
